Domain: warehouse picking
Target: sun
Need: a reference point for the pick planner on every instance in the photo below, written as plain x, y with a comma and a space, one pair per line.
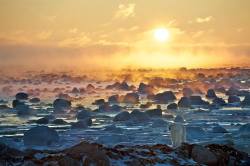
161, 34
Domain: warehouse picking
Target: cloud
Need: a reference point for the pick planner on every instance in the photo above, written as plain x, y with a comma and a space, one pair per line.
125, 11
44, 35
204, 20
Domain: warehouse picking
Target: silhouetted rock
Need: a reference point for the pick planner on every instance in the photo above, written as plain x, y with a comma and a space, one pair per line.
211, 94
154, 112
99, 102
120, 86
139, 115
123, 116
61, 106
114, 99
202, 155
75, 90
40, 136
131, 98
23, 110
172, 106
83, 113
42, 121
165, 97
232, 91
145, 89
219, 101
147, 105
35, 100
184, 102
197, 100
59, 122
82, 124
15, 103
22, 96
233, 99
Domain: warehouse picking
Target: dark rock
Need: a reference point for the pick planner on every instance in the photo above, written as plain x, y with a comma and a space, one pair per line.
233, 99
197, 100
123, 116
131, 98
147, 105
172, 106
99, 102
23, 110
203, 155
165, 97
219, 101
82, 124
35, 100
139, 115
232, 91
82, 114
42, 121
145, 89
211, 94
59, 122
15, 103
40, 136
184, 102
61, 105
179, 119
154, 112
114, 99
22, 96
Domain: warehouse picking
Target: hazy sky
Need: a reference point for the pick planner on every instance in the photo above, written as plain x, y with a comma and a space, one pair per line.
119, 33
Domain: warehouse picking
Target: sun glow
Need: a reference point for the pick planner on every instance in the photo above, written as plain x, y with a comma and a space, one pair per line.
161, 34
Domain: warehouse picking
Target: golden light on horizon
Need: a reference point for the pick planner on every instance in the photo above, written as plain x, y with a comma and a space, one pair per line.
161, 34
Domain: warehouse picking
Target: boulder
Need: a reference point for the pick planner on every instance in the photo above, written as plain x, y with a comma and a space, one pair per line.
232, 91
59, 122
15, 103
61, 106
23, 110
82, 124
219, 129
233, 99
211, 94
123, 116
202, 155
40, 136
154, 112
197, 100
172, 106
82, 114
165, 97
42, 121
131, 98
22, 96
114, 99
34, 100
219, 101
139, 115
99, 102
145, 89
184, 102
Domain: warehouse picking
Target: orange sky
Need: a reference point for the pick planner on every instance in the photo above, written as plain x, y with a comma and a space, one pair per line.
83, 34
